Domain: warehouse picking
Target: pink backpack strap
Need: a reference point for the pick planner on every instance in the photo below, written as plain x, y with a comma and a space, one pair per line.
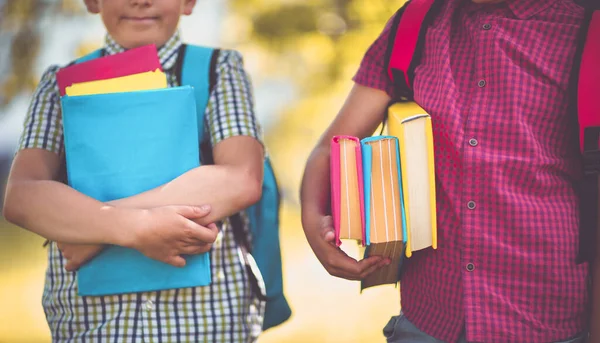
587, 102
588, 86
407, 36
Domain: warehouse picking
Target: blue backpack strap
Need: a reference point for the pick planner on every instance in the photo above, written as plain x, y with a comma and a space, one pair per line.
196, 71
197, 67
264, 226
93, 55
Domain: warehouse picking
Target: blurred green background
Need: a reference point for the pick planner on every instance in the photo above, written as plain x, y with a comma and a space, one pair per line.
301, 55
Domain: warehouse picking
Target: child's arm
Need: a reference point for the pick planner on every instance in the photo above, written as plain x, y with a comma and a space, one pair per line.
51, 209
36, 202
55, 211
360, 116
232, 184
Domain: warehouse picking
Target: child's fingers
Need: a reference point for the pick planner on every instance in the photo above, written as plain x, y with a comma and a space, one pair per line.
176, 261
327, 231
329, 236
366, 263
327, 222
374, 267
202, 234
353, 270
196, 249
193, 212
339, 264
71, 266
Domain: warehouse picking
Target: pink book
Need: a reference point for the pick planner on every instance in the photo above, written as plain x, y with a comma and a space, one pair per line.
134, 61
347, 191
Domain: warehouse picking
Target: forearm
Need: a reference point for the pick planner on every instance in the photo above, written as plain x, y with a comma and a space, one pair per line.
315, 188
227, 189
361, 114
59, 213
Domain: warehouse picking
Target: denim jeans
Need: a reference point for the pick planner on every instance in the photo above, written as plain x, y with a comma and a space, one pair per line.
400, 330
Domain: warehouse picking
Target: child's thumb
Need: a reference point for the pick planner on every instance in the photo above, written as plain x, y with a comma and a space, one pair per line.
176, 261
213, 227
192, 212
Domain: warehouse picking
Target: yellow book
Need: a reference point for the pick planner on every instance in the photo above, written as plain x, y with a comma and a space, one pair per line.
136, 82
412, 126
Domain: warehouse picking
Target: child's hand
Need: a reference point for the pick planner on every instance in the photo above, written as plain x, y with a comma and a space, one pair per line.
166, 233
335, 261
78, 254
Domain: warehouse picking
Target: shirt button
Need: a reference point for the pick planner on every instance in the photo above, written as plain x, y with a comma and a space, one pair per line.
473, 142
471, 205
149, 305
481, 83
487, 26
470, 267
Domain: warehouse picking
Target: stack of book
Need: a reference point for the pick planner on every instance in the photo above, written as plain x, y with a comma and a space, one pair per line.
383, 191
126, 132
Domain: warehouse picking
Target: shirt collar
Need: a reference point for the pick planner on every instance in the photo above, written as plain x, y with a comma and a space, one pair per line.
167, 54
525, 9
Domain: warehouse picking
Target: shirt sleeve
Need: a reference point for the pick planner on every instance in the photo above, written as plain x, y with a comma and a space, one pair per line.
42, 127
372, 71
230, 111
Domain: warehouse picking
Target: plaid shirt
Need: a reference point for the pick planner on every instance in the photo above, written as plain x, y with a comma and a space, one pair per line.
225, 311
495, 79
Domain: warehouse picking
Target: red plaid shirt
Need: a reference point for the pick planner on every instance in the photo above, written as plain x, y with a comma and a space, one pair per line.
494, 79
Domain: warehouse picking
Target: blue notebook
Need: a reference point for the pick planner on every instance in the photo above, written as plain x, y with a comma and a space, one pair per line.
121, 144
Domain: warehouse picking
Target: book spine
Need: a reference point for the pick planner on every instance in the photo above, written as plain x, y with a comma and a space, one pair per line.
335, 187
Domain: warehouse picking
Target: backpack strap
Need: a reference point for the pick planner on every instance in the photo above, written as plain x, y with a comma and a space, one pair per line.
193, 63
406, 43
93, 55
588, 115
589, 76
585, 108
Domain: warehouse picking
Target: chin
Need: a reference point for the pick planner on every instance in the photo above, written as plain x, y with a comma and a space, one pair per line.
137, 42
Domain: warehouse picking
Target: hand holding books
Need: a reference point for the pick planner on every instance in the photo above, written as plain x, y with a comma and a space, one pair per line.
383, 192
